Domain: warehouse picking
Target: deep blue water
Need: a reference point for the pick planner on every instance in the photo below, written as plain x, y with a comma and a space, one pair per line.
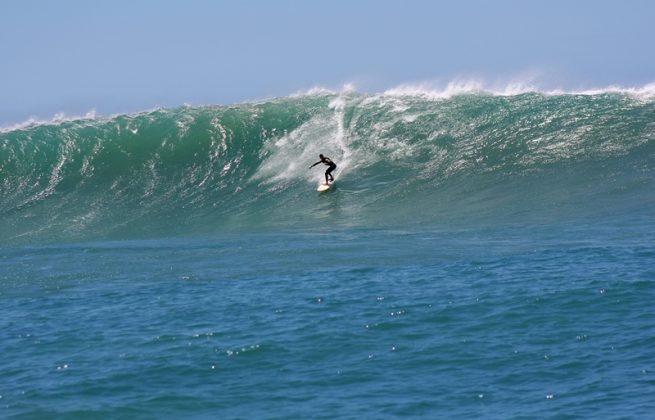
507, 322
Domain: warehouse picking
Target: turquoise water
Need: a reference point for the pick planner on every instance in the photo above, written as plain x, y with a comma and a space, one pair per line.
481, 256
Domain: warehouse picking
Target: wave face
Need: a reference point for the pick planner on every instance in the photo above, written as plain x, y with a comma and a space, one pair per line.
403, 160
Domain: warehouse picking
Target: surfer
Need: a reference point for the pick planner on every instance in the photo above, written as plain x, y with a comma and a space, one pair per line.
331, 167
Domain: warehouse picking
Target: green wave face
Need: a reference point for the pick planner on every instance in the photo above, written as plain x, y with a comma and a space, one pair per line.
403, 160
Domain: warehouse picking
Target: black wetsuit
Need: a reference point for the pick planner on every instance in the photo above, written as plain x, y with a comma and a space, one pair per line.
331, 167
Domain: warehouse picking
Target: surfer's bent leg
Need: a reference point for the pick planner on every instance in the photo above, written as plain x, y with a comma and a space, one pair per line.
328, 172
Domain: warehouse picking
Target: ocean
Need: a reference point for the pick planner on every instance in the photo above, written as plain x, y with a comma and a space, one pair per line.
482, 255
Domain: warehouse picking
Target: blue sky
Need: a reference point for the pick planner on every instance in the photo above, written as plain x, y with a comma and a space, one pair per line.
130, 55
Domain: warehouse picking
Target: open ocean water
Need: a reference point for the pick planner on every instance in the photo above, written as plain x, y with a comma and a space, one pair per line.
481, 256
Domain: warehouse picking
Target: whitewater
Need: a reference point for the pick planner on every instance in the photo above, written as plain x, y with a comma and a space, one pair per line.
484, 253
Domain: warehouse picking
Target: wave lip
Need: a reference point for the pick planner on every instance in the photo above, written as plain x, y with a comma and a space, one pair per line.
474, 86
645, 92
58, 118
461, 87
423, 90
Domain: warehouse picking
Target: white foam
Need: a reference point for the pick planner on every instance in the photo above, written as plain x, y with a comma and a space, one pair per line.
425, 90
475, 86
288, 157
58, 118
313, 91
643, 92
429, 91
62, 117
463, 87
322, 91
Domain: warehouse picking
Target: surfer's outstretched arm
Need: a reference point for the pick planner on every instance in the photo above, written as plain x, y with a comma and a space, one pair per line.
315, 164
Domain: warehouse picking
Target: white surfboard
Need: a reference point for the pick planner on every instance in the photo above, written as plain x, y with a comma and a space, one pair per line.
325, 187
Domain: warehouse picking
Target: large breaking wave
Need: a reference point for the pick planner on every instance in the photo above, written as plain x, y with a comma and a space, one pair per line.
407, 157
